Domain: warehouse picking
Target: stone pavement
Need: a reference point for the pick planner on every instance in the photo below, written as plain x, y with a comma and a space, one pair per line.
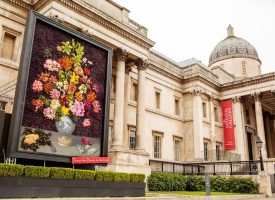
165, 197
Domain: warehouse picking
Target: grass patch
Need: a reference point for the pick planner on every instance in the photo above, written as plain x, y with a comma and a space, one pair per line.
193, 193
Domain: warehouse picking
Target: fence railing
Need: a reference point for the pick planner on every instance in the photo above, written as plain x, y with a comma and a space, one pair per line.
214, 155
214, 168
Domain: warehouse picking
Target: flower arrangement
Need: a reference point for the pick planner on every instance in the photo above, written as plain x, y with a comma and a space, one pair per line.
65, 86
34, 138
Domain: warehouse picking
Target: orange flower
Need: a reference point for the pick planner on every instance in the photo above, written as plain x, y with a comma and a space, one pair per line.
78, 96
37, 103
48, 87
66, 63
91, 96
87, 71
44, 77
71, 88
78, 70
52, 79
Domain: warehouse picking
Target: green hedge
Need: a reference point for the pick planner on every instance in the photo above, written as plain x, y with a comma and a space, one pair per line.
84, 174
68, 173
160, 181
37, 172
11, 170
136, 177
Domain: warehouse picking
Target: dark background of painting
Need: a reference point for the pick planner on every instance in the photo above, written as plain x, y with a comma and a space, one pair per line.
47, 36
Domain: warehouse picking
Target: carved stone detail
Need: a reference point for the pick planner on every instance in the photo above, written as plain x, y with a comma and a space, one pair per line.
257, 96
196, 91
86, 32
141, 64
121, 54
55, 18
237, 99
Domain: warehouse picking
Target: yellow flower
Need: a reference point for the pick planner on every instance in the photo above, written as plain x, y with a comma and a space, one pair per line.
64, 110
71, 97
74, 79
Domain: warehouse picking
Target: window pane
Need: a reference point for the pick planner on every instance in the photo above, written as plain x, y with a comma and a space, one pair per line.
8, 46
204, 109
133, 95
205, 145
177, 150
177, 107
157, 147
218, 152
157, 96
132, 143
216, 114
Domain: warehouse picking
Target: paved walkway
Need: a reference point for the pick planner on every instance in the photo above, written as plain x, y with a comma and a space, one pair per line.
166, 197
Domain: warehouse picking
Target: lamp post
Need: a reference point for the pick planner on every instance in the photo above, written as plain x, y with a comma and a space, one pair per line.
259, 144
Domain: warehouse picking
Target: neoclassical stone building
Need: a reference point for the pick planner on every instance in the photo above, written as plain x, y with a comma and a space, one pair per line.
159, 109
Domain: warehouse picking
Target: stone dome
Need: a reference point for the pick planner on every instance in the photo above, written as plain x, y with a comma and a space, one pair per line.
232, 47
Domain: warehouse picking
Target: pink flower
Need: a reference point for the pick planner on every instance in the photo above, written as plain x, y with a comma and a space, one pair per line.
86, 122
55, 94
87, 104
96, 106
49, 113
37, 86
51, 65
84, 60
86, 141
58, 48
95, 88
78, 109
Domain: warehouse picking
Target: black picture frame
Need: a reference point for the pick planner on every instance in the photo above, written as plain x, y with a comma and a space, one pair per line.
21, 88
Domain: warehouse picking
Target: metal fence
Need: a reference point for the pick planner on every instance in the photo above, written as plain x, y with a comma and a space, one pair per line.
214, 168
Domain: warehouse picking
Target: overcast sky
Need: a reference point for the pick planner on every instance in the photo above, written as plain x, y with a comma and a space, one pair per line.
183, 29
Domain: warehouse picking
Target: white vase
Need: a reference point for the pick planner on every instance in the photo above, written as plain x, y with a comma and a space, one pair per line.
65, 127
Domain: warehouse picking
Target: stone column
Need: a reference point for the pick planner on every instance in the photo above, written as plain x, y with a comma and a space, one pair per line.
268, 135
213, 129
197, 124
140, 119
121, 56
126, 99
239, 128
260, 121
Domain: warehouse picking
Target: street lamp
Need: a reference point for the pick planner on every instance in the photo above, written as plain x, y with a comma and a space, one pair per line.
259, 144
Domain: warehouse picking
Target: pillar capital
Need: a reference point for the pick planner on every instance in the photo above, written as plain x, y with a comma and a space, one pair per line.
257, 96
237, 99
141, 64
121, 54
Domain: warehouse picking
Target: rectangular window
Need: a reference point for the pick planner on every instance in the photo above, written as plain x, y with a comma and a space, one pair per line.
216, 114
177, 107
8, 46
205, 150
218, 151
177, 150
204, 109
157, 99
243, 68
132, 139
133, 95
3, 105
157, 146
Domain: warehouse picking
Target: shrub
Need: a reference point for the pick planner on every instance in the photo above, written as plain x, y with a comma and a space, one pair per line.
242, 185
61, 173
219, 184
37, 172
104, 175
135, 177
11, 170
84, 174
120, 176
160, 181
195, 183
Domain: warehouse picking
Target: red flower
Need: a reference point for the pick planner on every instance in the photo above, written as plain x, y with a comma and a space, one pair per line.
87, 71
37, 103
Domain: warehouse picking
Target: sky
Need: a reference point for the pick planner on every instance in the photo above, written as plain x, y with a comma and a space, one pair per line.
183, 29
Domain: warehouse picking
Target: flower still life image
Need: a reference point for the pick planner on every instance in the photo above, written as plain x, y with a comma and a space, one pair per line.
65, 96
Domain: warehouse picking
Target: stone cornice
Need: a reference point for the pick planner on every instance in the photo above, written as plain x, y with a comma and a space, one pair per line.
203, 79
96, 16
249, 81
20, 3
104, 20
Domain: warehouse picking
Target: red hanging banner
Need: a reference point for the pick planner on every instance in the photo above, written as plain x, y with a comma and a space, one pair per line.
228, 125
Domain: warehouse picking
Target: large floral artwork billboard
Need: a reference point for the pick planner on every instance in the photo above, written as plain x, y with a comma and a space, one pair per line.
64, 84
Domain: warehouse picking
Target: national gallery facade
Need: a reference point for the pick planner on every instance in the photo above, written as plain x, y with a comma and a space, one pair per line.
160, 110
